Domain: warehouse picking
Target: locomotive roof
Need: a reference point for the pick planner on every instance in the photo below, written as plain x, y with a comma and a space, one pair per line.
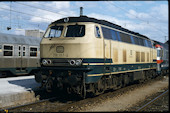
103, 22
18, 39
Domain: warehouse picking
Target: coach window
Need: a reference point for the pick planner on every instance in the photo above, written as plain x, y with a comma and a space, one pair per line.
97, 32
19, 52
33, 51
8, 50
23, 53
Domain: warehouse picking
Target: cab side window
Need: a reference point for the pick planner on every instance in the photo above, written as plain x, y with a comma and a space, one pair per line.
97, 32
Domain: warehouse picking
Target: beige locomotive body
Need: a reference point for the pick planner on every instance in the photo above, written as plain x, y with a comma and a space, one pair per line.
89, 46
92, 61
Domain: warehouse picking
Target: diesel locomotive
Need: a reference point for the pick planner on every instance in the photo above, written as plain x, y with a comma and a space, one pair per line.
87, 55
19, 55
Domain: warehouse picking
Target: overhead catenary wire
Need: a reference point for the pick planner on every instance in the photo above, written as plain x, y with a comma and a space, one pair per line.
23, 19
65, 15
36, 8
144, 22
155, 18
43, 9
27, 14
137, 17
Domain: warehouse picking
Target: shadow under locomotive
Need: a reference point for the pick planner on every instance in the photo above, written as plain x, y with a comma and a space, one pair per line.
58, 94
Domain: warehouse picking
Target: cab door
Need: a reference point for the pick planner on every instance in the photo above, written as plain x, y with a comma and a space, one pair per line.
107, 38
107, 56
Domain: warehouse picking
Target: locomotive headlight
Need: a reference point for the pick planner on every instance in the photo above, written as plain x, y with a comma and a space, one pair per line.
44, 62
75, 62
72, 62
78, 62
48, 61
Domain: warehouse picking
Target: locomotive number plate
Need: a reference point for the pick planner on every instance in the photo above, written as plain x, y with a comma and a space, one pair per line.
59, 49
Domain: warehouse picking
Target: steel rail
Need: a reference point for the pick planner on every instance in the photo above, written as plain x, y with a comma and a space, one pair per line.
19, 106
150, 102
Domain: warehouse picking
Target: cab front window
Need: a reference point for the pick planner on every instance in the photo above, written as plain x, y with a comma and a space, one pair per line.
54, 32
75, 31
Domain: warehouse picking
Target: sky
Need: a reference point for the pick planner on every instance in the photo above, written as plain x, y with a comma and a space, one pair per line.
149, 18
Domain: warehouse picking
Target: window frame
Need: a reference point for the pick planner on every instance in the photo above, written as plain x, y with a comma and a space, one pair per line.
106, 32
96, 35
24, 51
124, 37
66, 29
8, 50
31, 51
146, 43
114, 35
48, 31
19, 50
141, 41
150, 43
134, 39
0, 46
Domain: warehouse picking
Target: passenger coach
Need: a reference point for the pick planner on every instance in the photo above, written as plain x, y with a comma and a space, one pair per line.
82, 54
19, 55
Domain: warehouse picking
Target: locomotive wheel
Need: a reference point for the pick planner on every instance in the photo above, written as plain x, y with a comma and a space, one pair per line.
83, 92
101, 86
49, 85
147, 75
38, 77
154, 73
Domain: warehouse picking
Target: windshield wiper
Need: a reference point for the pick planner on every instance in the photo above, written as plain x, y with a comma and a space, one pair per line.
51, 38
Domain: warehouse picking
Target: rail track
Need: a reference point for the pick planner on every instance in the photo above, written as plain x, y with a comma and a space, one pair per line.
29, 104
61, 102
142, 108
48, 101
67, 103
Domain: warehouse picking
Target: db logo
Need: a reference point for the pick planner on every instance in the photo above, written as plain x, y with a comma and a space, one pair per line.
60, 49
